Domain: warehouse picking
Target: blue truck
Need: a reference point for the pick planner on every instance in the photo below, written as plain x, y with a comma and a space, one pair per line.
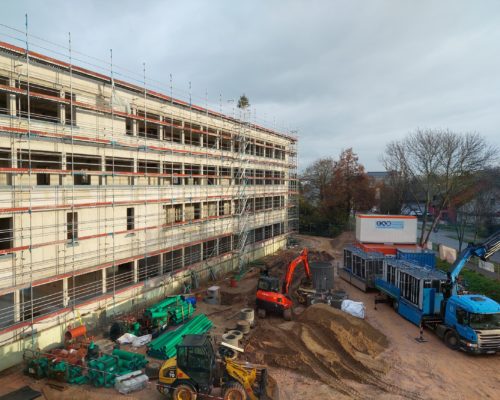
430, 298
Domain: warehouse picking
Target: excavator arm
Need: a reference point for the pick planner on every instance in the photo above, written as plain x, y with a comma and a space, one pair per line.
302, 258
484, 251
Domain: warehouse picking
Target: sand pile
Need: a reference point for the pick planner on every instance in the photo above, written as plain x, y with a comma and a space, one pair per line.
321, 256
326, 344
354, 334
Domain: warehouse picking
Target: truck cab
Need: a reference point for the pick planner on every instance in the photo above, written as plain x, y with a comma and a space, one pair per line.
471, 323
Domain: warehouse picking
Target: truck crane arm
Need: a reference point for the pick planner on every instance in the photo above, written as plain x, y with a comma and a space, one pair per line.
302, 258
484, 250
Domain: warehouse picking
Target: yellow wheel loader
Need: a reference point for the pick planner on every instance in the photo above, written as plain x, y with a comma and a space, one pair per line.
196, 369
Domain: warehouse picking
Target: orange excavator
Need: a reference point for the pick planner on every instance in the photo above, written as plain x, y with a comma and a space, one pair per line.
273, 297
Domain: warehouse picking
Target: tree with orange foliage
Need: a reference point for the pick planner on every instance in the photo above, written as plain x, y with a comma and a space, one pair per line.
350, 189
332, 190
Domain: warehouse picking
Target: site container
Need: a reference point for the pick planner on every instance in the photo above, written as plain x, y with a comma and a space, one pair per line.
360, 267
322, 275
423, 257
400, 229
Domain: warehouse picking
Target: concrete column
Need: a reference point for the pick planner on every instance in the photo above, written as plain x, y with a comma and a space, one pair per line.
160, 269
203, 214
134, 122
17, 306
65, 179
202, 138
64, 164
11, 99
103, 271
183, 179
182, 258
161, 128
217, 140
62, 109
65, 292
136, 271
103, 178
183, 135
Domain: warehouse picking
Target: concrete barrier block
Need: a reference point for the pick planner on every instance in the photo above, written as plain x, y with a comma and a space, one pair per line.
487, 266
448, 254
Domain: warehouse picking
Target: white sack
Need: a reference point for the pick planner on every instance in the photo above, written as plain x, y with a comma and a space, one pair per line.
141, 340
355, 308
126, 338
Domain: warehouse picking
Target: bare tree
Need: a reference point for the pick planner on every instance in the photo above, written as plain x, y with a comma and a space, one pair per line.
437, 164
317, 178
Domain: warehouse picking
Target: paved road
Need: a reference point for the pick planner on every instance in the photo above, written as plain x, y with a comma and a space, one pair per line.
441, 237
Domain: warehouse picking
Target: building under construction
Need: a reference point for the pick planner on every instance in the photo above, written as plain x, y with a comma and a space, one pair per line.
113, 194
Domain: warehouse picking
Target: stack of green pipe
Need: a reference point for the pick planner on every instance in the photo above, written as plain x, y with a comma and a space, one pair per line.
164, 347
130, 361
104, 370
173, 310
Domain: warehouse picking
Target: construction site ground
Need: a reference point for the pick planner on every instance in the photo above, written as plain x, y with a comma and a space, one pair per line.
324, 353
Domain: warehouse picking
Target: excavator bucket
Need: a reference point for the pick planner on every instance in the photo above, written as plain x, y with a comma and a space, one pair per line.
269, 389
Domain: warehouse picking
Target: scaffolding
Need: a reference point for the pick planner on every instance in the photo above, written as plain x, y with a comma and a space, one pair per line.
108, 186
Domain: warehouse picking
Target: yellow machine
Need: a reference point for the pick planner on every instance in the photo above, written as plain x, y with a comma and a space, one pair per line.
196, 369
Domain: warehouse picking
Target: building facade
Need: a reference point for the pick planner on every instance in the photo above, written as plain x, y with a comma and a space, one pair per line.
112, 194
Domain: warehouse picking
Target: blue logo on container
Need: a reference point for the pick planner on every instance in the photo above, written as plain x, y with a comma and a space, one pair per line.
385, 224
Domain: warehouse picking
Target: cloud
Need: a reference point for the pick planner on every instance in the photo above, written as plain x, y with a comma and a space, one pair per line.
343, 73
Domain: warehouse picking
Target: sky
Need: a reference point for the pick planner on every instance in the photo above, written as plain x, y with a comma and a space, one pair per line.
341, 73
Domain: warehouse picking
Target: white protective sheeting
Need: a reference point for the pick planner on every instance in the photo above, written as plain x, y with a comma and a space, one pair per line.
141, 340
126, 338
355, 308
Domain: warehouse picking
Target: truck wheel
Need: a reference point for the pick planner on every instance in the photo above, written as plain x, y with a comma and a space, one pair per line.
287, 314
451, 340
234, 391
184, 392
261, 313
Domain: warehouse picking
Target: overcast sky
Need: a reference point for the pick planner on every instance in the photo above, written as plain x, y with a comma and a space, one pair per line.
342, 73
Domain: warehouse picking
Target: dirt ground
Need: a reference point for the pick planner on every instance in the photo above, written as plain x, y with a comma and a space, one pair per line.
428, 370
324, 353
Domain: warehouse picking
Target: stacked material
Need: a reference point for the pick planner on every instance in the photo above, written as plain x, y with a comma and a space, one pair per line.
164, 347
131, 382
60, 364
104, 370
172, 310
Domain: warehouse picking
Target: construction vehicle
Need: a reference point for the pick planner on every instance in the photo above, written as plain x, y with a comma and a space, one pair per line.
274, 297
434, 299
197, 369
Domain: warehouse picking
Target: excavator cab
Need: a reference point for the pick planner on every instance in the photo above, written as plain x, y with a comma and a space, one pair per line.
269, 283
